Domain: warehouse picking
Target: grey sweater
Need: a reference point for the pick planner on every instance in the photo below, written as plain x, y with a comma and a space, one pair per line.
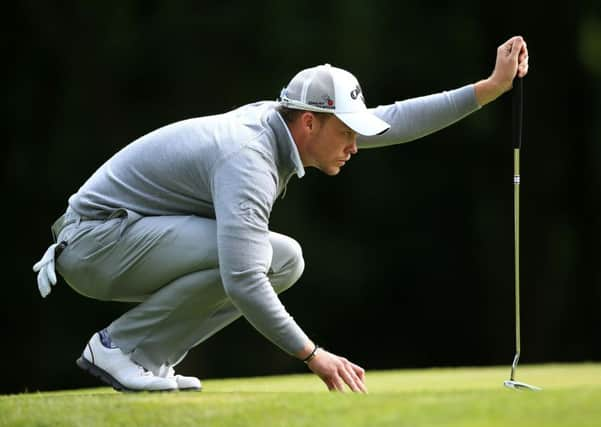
232, 167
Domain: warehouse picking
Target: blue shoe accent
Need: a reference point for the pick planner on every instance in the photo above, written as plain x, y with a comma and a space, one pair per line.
105, 339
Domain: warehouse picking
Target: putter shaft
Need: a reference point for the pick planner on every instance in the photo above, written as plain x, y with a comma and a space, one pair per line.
517, 144
516, 228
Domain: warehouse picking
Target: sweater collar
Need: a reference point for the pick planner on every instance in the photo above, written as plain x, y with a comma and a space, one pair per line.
285, 142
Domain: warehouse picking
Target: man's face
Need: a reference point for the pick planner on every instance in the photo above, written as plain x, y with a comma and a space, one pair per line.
332, 145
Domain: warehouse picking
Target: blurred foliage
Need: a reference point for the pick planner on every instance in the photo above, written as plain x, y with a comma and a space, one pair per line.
409, 251
590, 44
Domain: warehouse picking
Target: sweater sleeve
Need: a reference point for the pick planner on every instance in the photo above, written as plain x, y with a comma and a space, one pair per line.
244, 188
417, 117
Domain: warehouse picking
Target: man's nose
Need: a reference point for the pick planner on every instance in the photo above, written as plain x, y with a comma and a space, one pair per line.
353, 148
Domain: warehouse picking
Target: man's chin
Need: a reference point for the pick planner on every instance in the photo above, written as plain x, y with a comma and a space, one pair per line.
333, 171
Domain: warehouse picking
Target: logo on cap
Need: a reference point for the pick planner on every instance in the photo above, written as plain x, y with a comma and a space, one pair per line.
356, 93
324, 102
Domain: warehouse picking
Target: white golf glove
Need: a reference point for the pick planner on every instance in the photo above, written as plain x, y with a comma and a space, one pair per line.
45, 270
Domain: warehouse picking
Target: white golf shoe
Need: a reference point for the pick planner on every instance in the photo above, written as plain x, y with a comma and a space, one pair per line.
115, 368
184, 383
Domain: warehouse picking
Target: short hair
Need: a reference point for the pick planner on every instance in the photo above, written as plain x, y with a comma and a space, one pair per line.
291, 114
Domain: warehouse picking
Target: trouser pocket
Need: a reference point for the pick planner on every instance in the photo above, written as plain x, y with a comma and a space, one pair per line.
108, 233
89, 263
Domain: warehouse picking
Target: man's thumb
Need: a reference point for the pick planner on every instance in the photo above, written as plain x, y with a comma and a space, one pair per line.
516, 46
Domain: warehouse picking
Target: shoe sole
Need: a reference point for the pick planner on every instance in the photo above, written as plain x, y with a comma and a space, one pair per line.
190, 389
108, 378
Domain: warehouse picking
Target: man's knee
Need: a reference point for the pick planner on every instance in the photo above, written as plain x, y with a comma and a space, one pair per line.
287, 264
296, 263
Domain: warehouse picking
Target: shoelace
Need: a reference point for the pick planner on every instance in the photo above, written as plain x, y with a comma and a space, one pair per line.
145, 373
166, 371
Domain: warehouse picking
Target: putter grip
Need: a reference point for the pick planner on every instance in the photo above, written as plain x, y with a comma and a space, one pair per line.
518, 95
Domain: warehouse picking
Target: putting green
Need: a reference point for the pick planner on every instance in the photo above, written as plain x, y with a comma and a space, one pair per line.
428, 397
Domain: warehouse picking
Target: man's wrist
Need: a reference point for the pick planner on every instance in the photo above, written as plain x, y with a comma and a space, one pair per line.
305, 351
488, 90
311, 355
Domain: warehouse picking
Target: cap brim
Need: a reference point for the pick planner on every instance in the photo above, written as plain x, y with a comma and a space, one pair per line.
364, 123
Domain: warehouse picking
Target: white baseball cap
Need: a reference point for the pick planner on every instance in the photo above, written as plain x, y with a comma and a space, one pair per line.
328, 89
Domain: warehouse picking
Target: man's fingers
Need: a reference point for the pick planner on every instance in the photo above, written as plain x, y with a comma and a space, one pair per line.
523, 61
516, 47
516, 52
363, 388
338, 383
523, 53
523, 69
329, 383
359, 383
360, 373
512, 46
345, 376
350, 379
334, 383
338, 373
353, 376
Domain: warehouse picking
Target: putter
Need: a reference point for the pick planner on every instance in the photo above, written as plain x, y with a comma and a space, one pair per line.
517, 144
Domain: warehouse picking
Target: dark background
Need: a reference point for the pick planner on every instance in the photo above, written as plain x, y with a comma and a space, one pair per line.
409, 251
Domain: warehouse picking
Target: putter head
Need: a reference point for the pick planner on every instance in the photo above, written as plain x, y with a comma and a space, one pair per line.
516, 385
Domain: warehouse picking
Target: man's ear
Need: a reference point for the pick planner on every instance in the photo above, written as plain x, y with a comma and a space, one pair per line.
308, 121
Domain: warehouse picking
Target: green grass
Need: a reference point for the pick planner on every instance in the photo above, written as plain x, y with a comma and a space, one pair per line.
428, 397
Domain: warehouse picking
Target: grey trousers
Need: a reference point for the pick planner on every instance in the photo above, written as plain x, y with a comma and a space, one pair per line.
169, 264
